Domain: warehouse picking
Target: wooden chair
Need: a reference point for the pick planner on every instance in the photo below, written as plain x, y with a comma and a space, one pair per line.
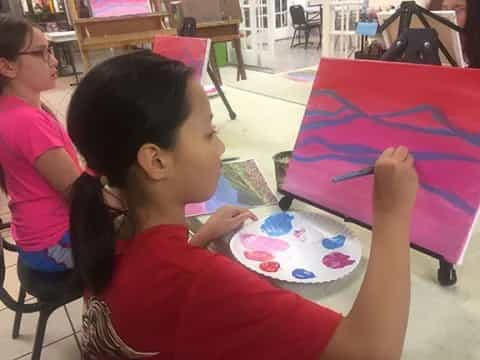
116, 32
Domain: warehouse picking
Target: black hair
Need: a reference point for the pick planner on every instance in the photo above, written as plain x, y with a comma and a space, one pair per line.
120, 105
472, 33
15, 34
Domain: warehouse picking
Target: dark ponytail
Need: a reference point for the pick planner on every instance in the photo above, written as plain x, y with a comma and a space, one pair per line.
91, 225
120, 105
14, 34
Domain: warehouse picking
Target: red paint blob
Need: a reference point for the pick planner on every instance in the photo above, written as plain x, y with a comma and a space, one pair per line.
258, 256
270, 266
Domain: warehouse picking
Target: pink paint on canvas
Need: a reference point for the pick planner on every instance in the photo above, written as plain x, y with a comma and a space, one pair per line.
193, 52
106, 8
359, 108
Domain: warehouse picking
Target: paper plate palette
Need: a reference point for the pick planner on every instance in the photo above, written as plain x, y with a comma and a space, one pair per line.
298, 247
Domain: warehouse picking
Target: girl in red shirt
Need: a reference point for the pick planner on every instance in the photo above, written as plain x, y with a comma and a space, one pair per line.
144, 126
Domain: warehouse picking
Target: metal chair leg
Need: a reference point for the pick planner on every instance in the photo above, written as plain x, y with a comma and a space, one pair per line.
293, 38
18, 315
307, 37
40, 333
320, 38
71, 57
73, 328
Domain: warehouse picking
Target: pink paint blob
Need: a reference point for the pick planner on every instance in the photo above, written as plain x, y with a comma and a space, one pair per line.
337, 260
258, 256
299, 233
270, 266
195, 209
263, 243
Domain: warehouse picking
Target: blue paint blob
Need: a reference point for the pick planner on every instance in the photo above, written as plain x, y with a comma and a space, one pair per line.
303, 274
278, 224
335, 242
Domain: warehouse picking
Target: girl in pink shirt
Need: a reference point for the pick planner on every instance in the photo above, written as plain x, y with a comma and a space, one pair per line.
37, 157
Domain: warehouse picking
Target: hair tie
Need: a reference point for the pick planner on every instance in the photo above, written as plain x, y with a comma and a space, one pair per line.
91, 172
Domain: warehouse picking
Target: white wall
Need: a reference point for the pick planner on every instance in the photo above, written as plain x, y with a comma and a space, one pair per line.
377, 4
298, 2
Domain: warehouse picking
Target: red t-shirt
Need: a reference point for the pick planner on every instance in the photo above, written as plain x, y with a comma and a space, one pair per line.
168, 300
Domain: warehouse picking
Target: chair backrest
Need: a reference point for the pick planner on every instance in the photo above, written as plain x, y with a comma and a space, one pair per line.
297, 12
189, 27
4, 295
4, 245
2, 263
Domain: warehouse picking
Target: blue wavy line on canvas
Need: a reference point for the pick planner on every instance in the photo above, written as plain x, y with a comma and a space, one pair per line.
437, 116
357, 149
453, 199
365, 155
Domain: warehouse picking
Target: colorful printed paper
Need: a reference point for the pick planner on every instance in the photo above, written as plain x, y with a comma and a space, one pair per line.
297, 247
107, 8
241, 184
193, 52
359, 108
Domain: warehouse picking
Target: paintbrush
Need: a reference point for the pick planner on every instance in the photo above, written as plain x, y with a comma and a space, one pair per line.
354, 174
230, 159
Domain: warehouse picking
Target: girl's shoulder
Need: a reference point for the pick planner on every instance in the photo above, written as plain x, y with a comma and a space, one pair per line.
15, 110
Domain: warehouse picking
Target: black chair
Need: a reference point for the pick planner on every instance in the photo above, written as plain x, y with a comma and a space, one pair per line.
52, 291
300, 24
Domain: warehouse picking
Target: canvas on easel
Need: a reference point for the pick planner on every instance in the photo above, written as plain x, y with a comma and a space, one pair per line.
108, 8
359, 108
193, 52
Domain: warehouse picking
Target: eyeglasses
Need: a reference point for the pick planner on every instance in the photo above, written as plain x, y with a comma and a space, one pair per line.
46, 53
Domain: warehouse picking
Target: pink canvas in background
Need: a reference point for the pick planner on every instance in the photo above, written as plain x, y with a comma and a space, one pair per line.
359, 108
193, 52
107, 8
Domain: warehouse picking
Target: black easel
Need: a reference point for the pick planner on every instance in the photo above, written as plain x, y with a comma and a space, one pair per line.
189, 28
419, 46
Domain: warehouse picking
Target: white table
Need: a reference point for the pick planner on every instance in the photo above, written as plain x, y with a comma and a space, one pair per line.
61, 36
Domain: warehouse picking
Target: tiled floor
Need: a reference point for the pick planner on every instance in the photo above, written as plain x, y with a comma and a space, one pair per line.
444, 322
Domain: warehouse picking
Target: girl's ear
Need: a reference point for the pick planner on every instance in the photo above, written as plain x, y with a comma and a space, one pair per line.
155, 162
8, 69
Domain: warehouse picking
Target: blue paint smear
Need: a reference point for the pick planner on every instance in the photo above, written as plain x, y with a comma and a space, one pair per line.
303, 274
452, 198
335, 242
436, 114
225, 195
278, 224
363, 150
365, 155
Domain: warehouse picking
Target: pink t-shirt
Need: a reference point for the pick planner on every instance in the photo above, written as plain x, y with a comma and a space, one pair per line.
39, 213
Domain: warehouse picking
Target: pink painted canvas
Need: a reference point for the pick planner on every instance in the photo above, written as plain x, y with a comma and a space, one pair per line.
193, 52
359, 108
106, 8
